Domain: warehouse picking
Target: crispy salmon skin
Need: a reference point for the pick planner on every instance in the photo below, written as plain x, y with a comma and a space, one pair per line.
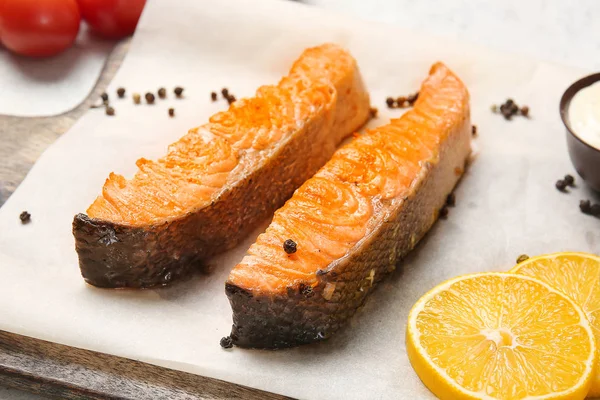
222, 178
352, 222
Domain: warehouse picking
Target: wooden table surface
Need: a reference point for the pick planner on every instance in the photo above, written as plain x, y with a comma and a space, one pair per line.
64, 372
24, 139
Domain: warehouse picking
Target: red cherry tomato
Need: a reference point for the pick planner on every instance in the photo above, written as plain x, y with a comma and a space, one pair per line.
112, 18
38, 28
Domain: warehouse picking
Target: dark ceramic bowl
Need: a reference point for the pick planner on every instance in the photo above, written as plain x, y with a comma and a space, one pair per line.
585, 158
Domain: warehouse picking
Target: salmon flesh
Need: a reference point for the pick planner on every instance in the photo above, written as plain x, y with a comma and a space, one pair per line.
352, 222
221, 179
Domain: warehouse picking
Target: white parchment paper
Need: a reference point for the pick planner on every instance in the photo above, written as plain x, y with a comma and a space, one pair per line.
506, 203
34, 87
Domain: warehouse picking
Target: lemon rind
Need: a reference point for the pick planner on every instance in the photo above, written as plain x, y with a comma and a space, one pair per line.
447, 381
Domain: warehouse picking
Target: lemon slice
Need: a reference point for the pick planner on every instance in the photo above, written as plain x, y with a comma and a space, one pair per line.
500, 336
578, 276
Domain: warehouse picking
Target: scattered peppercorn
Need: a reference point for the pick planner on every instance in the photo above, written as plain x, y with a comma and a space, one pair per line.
451, 200
149, 98
585, 206
136, 98
402, 101
171, 112
444, 212
588, 208
213, 96
121, 92
110, 111
25, 217
374, 112
522, 258
225, 93
509, 109
104, 97
561, 185
569, 180
162, 93
412, 98
474, 130
178, 91
231, 99
289, 246
226, 342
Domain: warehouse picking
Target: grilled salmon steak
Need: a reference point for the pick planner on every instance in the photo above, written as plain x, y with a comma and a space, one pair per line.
352, 222
222, 178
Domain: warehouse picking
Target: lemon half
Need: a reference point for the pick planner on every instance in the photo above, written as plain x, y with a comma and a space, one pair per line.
501, 336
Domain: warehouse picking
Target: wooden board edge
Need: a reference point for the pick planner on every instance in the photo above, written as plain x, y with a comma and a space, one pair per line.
65, 372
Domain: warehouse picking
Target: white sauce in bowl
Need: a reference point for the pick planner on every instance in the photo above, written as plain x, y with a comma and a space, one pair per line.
584, 114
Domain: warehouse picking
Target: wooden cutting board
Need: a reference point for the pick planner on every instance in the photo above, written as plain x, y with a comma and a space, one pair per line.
65, 372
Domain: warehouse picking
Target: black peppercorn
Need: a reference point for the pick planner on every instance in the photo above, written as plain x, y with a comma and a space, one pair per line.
226, 342
225, 92
110, 111
509, 109
104, 97
401, 102
374, 112
506, 111
412, 98
121, 92
561, 185
522, 258
444, 212
569, 180
289, 246
585, 206
213, 96
25, 217
474, 130
162, 93
390, 102
149, 98
231, 99
171, 112
451, 200
178, 91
